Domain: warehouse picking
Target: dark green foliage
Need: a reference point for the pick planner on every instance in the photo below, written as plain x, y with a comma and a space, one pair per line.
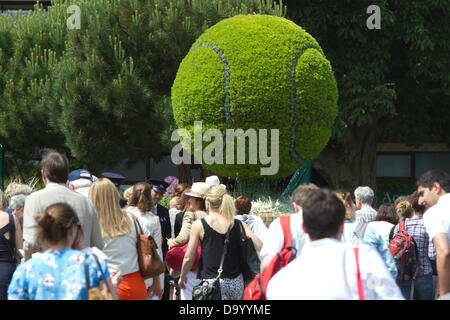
29, 47
411, 50
103, 106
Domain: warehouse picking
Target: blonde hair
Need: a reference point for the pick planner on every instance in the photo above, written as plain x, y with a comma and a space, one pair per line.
404, 209
176, 203
127, 193
105, 197
3, 203
346, 199
219, 199
15, 188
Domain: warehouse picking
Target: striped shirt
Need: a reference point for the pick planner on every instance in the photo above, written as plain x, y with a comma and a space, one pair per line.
415, 227
366, 214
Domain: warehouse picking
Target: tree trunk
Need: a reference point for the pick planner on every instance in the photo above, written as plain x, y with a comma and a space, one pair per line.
184, 173
204, 173
350, 164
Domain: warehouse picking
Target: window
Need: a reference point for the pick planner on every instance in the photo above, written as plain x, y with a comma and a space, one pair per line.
394, 165
428, 161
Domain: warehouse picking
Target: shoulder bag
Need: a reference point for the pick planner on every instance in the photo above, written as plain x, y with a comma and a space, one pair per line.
208, 290
249, 257
150, 264
96, 293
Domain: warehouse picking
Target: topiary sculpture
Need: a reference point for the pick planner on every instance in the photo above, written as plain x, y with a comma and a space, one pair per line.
257, 72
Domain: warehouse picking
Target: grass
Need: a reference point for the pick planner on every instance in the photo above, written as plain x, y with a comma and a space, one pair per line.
34, 182
264, 204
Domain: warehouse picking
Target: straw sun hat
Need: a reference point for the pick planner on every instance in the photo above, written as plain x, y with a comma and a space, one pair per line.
198, 190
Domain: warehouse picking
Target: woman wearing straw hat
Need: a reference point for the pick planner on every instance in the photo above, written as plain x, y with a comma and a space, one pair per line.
197, 210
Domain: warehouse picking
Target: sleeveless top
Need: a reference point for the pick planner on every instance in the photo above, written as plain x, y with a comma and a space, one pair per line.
7, 246
212, 248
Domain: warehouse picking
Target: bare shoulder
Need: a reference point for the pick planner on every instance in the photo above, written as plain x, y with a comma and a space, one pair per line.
197, 224
4, 218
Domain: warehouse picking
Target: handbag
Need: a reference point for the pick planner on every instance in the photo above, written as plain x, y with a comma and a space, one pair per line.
150, 264
250, 261
97, 293
175, 256
208, 290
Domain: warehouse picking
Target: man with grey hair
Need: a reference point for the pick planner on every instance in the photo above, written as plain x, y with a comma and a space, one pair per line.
364, 198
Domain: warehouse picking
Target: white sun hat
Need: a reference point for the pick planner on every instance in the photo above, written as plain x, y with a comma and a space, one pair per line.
212, 180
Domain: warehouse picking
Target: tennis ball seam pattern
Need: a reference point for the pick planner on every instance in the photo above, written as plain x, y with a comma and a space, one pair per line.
226, 74
292, 78
226, 71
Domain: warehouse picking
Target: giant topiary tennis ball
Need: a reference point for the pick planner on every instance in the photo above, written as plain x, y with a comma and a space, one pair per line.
256, 72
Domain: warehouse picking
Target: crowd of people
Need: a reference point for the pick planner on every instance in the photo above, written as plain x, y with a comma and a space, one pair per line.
343, 247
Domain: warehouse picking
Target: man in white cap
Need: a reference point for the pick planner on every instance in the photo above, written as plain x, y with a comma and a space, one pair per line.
80, 181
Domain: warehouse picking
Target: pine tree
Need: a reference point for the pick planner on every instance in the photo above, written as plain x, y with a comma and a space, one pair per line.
29, 46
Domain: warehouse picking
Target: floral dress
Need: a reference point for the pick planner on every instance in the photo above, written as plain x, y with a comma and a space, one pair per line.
55, 275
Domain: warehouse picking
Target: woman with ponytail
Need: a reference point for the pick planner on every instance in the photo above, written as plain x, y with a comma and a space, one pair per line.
57, 273
211, 232
141, 206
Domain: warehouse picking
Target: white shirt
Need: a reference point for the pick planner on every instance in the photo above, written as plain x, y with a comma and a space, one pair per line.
383, 228
172, 215
254, 223
273, 240
326, 270
121, 251
84, 191
437, 218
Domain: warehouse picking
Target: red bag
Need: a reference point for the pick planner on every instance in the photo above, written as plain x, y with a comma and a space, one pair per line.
256, 290
175, 256
404, 250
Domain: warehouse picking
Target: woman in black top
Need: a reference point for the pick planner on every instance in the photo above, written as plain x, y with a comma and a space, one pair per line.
10, 241
211, 231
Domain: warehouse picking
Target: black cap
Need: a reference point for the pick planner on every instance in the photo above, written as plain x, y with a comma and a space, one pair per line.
158, 185
114, 177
